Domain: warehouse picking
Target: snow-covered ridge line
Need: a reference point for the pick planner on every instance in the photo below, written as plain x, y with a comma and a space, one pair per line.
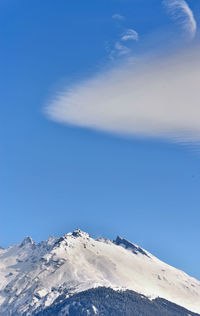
33, 275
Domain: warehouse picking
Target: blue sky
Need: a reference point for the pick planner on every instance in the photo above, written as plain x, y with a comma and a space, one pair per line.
77, 151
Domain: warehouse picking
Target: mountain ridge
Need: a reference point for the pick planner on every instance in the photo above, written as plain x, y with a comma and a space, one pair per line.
34, 275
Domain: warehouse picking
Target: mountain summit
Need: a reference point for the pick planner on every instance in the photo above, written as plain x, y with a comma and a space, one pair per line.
34, 276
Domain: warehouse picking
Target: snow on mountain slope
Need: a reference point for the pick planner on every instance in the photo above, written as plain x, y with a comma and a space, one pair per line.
34, 275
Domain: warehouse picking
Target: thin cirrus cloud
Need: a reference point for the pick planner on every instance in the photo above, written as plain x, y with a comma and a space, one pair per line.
120, 50
118, 16
158, 98
130, 34
180, 11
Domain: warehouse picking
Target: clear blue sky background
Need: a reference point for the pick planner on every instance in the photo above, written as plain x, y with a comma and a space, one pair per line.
55, 178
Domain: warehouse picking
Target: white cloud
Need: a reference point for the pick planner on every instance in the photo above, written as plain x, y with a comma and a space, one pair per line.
118, 17
182, 12
130, 34
121, 49
153, 99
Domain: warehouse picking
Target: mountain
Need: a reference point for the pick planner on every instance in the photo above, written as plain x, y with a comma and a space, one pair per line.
108, 302
64, 274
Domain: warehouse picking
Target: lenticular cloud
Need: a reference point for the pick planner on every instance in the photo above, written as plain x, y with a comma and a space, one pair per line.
152, 99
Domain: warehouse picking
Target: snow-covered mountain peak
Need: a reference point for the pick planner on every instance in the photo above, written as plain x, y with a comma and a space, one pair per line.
79, 233
27, 241
33, 275
70, 239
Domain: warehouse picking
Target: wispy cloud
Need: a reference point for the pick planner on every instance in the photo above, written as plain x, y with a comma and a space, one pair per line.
119, 50
130, 34
154, 99
118, 16
181, 11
